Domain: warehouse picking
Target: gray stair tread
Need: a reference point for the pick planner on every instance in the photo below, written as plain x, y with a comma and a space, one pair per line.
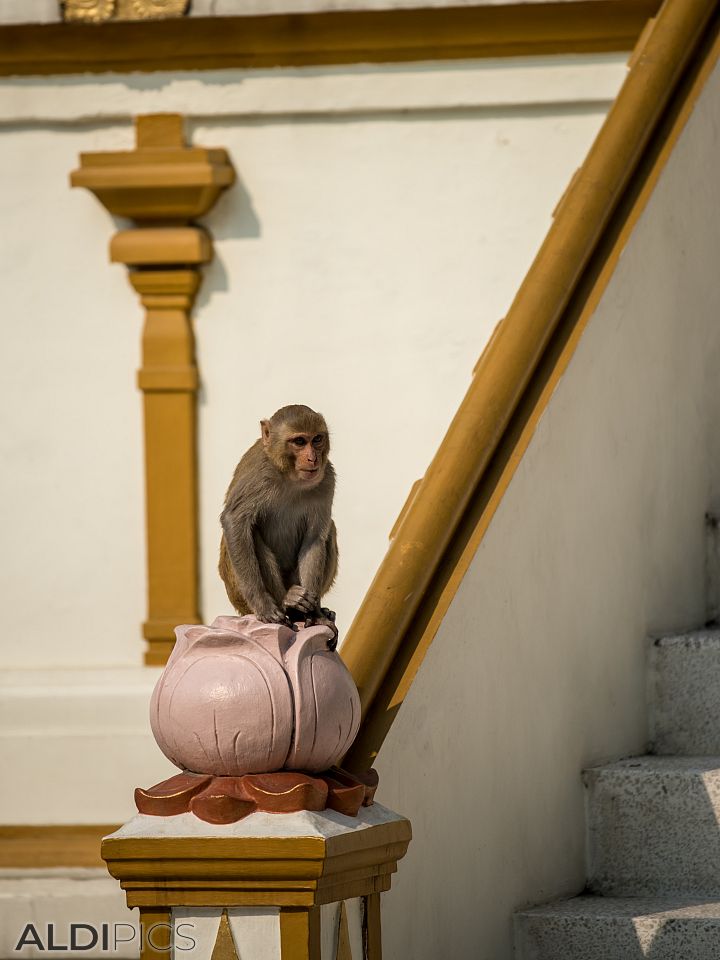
658, 767
654, 830
600, 928
653, 827
60, 897
692, 640
625, 908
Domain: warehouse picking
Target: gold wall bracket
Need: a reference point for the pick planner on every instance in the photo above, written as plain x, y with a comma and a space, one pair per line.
163, 185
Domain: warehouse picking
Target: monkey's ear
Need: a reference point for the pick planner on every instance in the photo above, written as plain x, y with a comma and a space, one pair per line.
265, 432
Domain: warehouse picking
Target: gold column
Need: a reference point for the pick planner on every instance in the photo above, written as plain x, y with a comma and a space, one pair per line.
169, 381
163, 185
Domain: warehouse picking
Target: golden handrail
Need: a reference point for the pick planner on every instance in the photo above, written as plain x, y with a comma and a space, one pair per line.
512, 355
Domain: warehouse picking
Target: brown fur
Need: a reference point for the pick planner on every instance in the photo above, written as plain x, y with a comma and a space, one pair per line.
278, 531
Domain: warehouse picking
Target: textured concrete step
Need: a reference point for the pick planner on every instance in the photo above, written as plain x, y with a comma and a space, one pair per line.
653, 827
47, 909
684, 694
599, 928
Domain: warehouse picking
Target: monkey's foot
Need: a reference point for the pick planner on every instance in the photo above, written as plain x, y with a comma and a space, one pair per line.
229, 799
323, 618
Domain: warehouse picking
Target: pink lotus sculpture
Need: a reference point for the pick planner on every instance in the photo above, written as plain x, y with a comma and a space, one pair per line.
243, 697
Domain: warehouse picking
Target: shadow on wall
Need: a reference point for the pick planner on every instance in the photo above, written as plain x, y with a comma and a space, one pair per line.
232, 218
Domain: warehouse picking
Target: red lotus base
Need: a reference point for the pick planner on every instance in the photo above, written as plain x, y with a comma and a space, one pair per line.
228, 799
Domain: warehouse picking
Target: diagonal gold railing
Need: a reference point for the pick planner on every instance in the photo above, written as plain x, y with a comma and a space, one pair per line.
413, 586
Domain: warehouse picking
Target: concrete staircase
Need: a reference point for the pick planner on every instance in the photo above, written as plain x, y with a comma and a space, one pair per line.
654, 831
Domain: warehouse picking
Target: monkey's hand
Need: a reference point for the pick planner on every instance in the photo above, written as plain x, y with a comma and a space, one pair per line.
271, 614
298, 598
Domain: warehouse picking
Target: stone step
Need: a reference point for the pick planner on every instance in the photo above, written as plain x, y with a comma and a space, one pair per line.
600, 928
684, 694
52, 910
653, 827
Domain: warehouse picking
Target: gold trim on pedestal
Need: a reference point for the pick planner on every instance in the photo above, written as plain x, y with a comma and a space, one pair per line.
155, 933
224, 948
296, 874
164, 180
300, 934
344, 949
251, 871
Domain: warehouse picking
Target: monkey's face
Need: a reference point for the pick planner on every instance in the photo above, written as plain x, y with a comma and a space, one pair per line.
308, 453
297, 441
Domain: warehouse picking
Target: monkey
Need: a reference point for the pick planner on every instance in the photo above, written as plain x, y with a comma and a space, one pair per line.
278, 551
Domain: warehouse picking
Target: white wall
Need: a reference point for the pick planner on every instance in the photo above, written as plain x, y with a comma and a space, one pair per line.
29, 11
361, 264
538, 669
383, 220
385, 280
72, 579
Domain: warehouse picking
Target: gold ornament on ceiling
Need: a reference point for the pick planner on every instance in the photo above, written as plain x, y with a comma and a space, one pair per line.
96, 11
92, 11
150, 9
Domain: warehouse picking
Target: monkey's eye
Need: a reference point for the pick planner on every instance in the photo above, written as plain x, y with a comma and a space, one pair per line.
318, 440
298, 441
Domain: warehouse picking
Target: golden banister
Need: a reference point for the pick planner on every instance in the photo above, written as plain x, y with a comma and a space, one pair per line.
384, 646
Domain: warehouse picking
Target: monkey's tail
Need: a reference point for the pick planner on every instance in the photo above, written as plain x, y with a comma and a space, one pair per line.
227, 574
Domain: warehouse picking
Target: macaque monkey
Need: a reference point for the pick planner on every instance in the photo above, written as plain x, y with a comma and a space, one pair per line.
278, 553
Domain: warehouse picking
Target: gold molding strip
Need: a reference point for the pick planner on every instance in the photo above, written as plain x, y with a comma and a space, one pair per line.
519, 368
335, 37
256, 871
163, 180
56, 845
